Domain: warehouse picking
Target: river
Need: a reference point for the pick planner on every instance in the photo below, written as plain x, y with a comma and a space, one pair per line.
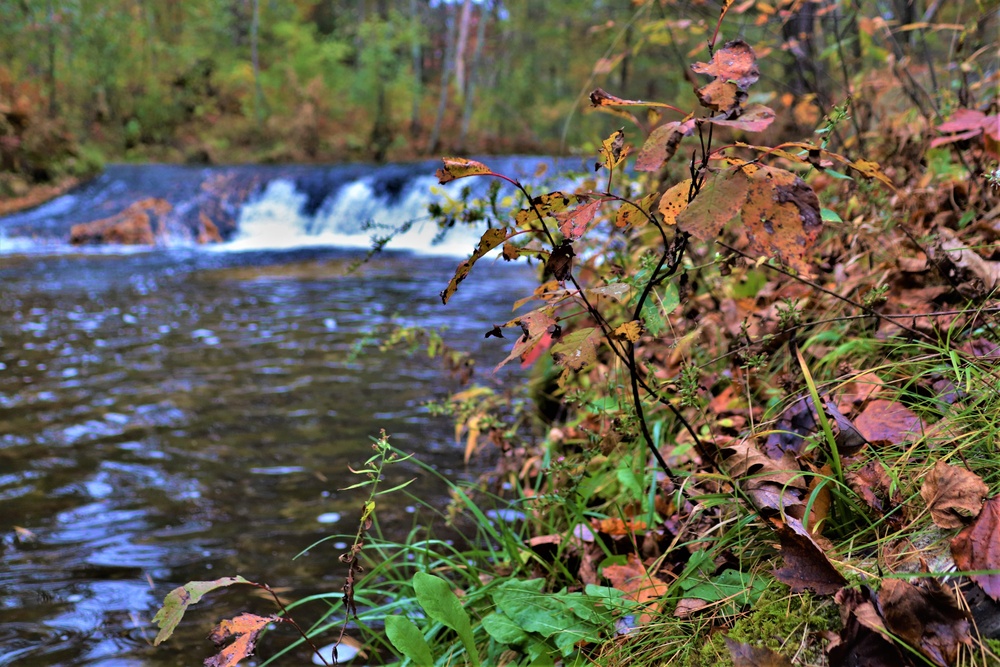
190, 412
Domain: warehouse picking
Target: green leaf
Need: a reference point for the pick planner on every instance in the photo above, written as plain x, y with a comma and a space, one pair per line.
408, 639
179, 599
504, 630
441, 604
829, 216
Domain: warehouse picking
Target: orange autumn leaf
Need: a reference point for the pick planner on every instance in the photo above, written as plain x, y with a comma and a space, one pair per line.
638, 585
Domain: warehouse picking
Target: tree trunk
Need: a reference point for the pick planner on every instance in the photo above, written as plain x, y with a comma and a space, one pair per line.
463, 40
434, 144
473, 79
416, 57
259, 103
53, 104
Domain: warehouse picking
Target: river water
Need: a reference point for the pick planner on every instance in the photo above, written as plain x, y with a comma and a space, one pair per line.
186, 413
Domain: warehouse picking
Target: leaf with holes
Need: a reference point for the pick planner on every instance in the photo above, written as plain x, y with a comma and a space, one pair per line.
547, 205
244, 628
781, 217
490, 239
459, 167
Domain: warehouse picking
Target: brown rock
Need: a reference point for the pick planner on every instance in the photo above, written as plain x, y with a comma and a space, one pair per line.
139, 224
207, 231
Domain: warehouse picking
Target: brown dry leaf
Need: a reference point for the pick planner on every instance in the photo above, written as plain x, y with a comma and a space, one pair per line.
245, 629
745, 655
744, 461
491, 239
977, 547
560, 262
806, 565
864, 640
888, 421
459, 167
863, 387
721, 196
954, 495
755, 118
617, 527
574, 223
964, 257
674, 201
638, 585
662, 143
872, 484
688, 606
781, 217
926, 617
734, 67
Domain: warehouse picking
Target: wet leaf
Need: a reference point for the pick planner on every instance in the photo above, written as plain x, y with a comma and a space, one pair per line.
574, 223
675, 201
578, 349
977, 547
560, 262
179, 599
734, 67
458, 167
953, 495
245, 629
781, 217
864, 639
888, 421
630, 331
721, 196
490, 239
925, 616
745, 655
662, 144
872, 484
807, 567
638, 585
755, 118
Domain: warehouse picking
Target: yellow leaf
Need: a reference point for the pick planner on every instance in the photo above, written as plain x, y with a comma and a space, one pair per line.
674, 201
630, 331
459, 167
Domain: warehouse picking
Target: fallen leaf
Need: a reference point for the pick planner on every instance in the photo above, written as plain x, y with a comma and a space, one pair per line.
458, 167
806, 565
638, 585
964, 257
617, 527
745, 655
864, 641
872, 484
954, 495
925, 616
245, 629
977, 547
888, 421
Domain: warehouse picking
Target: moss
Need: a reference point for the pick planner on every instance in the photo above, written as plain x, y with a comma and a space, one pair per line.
777, 621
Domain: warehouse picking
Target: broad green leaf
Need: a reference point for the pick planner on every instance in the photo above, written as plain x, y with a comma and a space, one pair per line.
490, 239
738, 588
441, 604
829, 216
408, 640
504, 630
179, 599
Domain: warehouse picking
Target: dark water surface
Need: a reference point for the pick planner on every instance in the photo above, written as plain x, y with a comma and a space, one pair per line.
187, 414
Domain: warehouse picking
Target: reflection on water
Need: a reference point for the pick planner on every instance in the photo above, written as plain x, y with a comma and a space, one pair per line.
184, 415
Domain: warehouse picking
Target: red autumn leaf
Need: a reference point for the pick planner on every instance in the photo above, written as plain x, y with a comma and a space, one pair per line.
888, 421
806, 565
574, 223
953, 495
245, 629
977, 547
734, 67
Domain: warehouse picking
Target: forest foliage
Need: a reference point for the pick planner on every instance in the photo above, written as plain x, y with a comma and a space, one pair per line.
763, 354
